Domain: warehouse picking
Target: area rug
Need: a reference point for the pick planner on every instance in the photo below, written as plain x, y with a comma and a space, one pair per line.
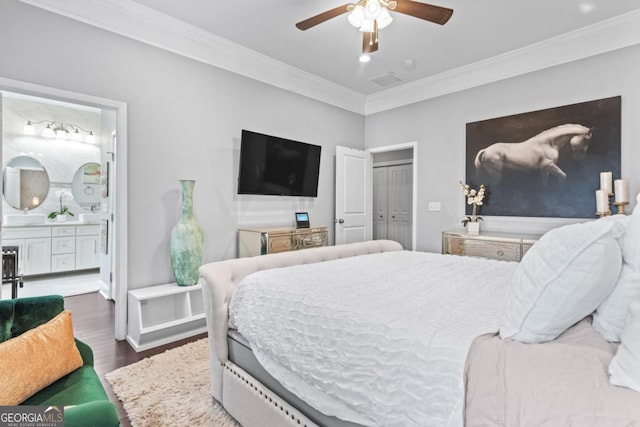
170, 389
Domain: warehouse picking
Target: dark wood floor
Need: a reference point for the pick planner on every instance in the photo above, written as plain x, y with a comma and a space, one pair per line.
94, 323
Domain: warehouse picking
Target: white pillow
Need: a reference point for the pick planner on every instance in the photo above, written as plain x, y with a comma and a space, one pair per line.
561, 279
625, 365
630, 246
609, 318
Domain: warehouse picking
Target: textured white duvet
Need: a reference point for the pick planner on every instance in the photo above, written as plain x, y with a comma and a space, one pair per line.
379, 340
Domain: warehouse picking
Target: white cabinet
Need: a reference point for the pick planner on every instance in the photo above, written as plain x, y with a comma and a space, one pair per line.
34, 247
87, 246
37, 257
55, 248
165, 313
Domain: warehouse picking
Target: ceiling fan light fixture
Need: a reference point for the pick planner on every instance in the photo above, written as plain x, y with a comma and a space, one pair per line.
384, 19
356, 17
364, 58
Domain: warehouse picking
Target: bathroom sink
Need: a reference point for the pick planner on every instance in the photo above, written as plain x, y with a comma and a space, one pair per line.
93, 217
29, 219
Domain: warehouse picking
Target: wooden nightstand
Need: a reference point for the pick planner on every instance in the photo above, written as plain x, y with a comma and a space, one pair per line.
493, 245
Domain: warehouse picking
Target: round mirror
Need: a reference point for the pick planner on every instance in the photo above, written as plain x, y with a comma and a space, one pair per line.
86, 186
25, 183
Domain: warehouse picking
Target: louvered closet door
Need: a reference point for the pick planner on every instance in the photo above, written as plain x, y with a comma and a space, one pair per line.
392, 203
380, 190
399, 182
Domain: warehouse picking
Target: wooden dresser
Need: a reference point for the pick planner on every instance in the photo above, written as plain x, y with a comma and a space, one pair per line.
270, 240
493, 245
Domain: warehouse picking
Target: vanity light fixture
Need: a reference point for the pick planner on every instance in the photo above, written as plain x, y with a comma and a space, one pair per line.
61, 130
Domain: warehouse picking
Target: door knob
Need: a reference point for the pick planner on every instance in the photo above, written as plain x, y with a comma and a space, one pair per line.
341, 221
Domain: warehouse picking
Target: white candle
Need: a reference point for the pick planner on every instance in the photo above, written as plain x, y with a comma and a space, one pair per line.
621, 187
606, 182
602, 201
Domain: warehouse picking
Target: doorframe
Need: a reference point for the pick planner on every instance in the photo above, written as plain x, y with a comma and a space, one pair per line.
119, 244
414, 214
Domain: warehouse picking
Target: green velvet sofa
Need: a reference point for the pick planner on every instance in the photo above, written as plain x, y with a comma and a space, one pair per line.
85, 400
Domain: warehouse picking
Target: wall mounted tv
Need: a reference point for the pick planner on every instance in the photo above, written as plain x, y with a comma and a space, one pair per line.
277, 166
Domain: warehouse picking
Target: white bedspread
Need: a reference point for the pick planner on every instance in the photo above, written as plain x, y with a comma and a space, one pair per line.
379, 340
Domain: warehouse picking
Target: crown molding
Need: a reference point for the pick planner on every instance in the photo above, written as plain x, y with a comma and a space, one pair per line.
138, 22
132, 20
605, 36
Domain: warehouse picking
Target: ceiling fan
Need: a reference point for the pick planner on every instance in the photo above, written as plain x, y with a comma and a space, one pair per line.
369, 16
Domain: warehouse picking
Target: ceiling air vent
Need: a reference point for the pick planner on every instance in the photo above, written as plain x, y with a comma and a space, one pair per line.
385, 80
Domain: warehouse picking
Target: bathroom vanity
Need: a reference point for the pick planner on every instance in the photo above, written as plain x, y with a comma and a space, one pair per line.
54, 247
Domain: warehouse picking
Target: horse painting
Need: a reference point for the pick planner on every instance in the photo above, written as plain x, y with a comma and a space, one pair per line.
540, 152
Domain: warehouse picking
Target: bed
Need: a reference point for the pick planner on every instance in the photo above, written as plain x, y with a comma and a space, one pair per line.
367, 334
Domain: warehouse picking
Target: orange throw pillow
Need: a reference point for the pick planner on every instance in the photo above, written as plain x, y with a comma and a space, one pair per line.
37, 358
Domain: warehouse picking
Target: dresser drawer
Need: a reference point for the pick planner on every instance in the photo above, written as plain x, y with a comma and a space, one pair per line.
454, 246
281, 243
494, 250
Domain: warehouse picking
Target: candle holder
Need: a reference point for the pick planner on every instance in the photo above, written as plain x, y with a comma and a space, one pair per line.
620, 207
603, 214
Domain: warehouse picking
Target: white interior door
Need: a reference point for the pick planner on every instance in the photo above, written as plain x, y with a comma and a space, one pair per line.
353, 196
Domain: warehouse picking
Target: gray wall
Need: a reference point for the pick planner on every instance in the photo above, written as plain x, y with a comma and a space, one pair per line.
439, 127
184, 121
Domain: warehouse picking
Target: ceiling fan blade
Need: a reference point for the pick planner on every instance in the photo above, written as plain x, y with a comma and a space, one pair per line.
322, 17
370, 42
437, 14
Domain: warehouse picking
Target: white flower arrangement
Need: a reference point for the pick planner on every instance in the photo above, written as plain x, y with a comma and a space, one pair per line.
474, 198
62, 195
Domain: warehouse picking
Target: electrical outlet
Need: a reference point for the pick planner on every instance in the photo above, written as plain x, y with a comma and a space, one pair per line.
434, 206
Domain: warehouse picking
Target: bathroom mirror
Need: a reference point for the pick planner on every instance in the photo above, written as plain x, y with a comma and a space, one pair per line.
25, 183
86, 186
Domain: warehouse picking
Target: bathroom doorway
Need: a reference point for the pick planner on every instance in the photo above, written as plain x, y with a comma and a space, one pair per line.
67, 224
56, 197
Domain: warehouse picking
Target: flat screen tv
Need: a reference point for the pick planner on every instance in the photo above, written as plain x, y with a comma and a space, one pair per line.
277, 166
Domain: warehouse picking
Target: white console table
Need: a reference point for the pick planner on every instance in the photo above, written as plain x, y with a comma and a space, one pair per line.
165, 313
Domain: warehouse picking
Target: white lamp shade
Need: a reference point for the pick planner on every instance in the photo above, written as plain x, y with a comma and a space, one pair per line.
75, 136
356, 16
29, 129
48, 132
384, 19
91, 139
372, 9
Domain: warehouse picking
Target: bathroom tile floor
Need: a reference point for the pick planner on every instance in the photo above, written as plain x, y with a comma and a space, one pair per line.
56, 284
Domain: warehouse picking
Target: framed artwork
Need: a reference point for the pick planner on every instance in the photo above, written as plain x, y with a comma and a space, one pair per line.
91, 173
545, 163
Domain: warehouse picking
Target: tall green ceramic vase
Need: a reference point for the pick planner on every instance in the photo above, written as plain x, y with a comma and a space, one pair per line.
187, 241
